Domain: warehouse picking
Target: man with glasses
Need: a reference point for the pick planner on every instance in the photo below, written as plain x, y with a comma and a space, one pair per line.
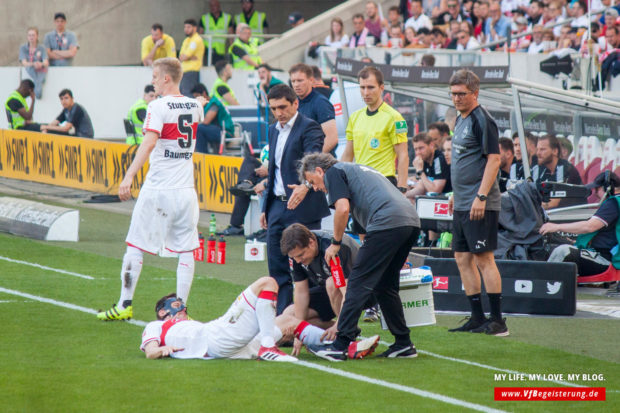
465, 42
453, 13
475, 204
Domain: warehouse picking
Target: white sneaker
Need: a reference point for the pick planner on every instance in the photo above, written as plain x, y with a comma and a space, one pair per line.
274, 354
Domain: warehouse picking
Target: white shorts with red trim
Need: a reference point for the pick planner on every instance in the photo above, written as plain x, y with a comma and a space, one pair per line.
165, 220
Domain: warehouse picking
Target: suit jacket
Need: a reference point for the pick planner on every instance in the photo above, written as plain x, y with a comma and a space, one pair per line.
306, 136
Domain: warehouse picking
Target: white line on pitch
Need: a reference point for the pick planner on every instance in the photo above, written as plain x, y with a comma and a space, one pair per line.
331, 370
75, 274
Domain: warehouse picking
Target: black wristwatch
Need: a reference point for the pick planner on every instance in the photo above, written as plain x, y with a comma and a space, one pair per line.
418, 174
481, 197
402, 189
307, 184
334, 242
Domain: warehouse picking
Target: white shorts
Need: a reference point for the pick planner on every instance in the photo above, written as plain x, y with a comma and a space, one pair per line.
165, 219
235, 334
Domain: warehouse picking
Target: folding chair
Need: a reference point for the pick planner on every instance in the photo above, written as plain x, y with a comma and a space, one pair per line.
130, 130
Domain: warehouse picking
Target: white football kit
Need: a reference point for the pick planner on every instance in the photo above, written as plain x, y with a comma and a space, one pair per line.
166, 213
234, 335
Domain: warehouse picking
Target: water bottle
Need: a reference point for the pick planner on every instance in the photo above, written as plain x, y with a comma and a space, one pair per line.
199, 253
337, 273
211, 249
221, 251
212, 225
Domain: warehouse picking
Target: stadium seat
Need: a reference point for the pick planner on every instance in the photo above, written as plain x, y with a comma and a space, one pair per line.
593, 150
609, 155
579, 161
617, 156
590, 174
610, 275
232, 145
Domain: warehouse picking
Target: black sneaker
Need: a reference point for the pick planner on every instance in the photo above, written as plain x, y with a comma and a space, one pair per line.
399, 351
260, 235
327, 352
231, 230
244, 188
493, 328
469, 326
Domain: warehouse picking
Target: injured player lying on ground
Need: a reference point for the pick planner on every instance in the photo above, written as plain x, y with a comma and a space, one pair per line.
248, 330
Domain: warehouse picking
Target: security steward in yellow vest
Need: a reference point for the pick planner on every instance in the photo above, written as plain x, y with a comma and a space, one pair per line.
137, 114
17, 107
244, 50
255, 19
215, 23
220, 89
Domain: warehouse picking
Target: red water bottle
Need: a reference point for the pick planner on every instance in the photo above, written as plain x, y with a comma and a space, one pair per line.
199, 253
211, 249
337, 273
221, 251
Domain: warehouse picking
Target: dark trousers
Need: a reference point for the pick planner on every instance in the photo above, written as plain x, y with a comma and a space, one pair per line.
209, 138
31, 126
377, 270
242, 203
188, 81
278, 218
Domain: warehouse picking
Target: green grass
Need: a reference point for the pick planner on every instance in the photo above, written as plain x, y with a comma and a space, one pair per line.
56, 359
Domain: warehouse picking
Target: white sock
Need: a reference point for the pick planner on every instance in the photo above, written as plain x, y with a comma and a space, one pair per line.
130, 273
309, 334
266, 316
185, 275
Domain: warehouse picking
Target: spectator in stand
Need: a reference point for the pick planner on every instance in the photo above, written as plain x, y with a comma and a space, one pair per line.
612, 42
394, 17
33, 57
465, 41
137, 114
411, 41
267, 80
377, 26
216, 118
17, 107
496, 26
337, 38
190, 55
61, 45
610, 60
555, 16
510, 6
314, 105
481, 13
418, 19
318, 85
453, 13
535, 13
552, 168
157, 45
609, 19
244, 50
537, 45
295, 19
520, 44
360, 32
424, 38
580, 13
215, 23
439, 132
73, 116
432, 171
438, 39
220, 89
453, 28
506, 159
397, 39
256, 20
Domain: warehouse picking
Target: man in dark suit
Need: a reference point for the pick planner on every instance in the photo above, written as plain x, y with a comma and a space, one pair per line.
288, 200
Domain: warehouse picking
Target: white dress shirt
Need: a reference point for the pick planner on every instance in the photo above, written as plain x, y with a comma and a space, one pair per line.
283, 132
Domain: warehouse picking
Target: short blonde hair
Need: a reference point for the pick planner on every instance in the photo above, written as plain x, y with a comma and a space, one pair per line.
170, 66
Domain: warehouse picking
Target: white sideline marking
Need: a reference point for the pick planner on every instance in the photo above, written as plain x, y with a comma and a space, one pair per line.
331, 370
600, 309
75, 274
394, 386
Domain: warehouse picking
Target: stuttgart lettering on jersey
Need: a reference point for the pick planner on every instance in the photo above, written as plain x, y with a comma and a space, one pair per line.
182, 105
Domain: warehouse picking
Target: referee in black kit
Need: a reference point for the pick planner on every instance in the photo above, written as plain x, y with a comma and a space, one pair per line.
475, 204
392, 227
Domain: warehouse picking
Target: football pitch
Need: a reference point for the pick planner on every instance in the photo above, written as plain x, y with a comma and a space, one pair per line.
56, 357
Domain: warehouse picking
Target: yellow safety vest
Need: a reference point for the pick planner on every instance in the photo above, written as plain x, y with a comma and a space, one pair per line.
16, 119
251, 49
221, 27
137, 123
219, 82
255, 23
